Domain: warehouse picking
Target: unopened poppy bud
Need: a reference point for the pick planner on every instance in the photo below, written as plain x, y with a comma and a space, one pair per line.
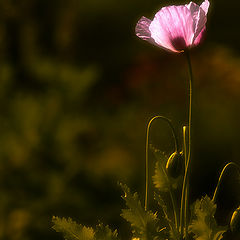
235, 221
174, 164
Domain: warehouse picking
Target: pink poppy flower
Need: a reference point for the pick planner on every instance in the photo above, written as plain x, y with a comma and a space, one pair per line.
175, 28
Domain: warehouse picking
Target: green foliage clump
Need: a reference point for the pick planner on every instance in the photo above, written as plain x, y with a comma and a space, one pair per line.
163, 224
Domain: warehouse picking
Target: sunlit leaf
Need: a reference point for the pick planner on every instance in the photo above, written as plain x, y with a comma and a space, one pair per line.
145, 224
105, 233
203, 224
161, 180
71, 230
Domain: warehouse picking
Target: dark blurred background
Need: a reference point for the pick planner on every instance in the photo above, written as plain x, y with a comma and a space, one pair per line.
77, 88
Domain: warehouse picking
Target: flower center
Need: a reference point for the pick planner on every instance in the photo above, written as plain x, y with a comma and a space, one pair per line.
179, 43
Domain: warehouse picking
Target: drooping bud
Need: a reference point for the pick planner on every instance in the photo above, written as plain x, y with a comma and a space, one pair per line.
174, 164
235, 221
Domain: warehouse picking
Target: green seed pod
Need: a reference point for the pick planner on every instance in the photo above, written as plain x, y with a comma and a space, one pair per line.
174, 164
235, 221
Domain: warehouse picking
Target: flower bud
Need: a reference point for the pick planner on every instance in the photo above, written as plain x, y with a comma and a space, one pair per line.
235, 221
174, 164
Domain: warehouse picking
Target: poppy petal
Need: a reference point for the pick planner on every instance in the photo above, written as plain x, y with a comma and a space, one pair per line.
199, 38
204, 6
171, 28
199, 19
142, 28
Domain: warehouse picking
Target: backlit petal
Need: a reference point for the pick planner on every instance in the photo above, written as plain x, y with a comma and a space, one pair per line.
142, 30
172, 28
199, 18
199, 38
204, 6
200, 24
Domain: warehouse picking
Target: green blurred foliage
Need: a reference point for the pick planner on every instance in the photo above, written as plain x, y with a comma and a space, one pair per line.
77, 90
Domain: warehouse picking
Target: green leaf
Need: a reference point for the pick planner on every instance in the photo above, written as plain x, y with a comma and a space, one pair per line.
144, 223
71, 230
105, 233
161, 180
203, 224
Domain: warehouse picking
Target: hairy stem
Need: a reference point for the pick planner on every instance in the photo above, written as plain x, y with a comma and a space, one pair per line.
221, 176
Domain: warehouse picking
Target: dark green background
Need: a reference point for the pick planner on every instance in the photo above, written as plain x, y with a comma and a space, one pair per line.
77, 88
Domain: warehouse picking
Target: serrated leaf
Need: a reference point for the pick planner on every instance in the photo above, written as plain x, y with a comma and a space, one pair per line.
161, 180
144, 223
203, 224
71, 230
105, 233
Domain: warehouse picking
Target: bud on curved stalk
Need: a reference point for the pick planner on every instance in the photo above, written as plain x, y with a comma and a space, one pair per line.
174, 164
235, 221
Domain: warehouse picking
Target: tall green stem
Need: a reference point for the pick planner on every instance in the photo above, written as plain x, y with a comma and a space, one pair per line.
183, 210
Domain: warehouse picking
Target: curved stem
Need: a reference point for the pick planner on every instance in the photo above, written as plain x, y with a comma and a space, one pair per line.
186, 174
147, 144
221, 176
